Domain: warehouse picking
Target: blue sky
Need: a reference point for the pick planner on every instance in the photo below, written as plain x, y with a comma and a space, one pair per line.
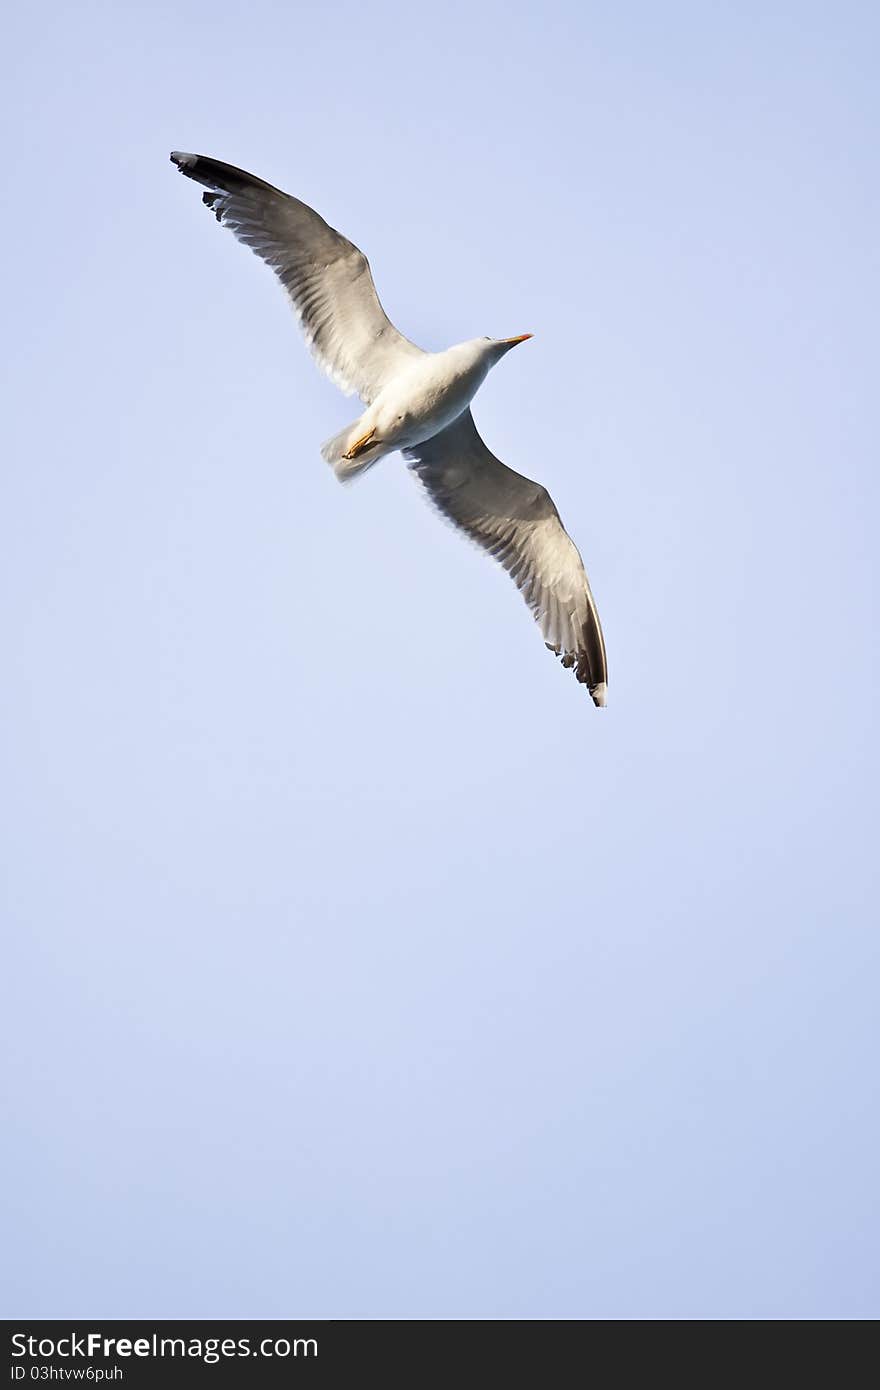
356, 965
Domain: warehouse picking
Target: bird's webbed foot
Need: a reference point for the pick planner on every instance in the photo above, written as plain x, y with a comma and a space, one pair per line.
361, 445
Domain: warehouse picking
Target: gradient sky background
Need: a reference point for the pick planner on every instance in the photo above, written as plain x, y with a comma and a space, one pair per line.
355, 964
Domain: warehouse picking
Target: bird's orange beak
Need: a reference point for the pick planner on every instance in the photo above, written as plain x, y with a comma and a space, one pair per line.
512, 342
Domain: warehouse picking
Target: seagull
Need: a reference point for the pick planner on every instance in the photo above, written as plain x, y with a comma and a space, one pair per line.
416, 402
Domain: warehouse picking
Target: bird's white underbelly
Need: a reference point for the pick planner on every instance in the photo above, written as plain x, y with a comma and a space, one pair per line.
422, 402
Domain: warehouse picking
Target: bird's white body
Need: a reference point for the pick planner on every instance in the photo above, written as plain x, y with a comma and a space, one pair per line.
419, 401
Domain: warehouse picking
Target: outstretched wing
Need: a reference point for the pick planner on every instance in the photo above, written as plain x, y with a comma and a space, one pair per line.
515, 520
327, 279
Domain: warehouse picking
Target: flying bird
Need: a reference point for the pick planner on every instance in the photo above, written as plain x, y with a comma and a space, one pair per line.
416, 402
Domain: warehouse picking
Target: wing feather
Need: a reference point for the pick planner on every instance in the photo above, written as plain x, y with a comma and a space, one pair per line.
515, 520
328, 280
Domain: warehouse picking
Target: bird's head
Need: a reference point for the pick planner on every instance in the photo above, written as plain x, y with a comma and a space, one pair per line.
499, 346
481, 354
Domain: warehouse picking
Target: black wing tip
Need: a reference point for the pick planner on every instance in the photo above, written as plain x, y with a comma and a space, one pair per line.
580, 661
212, 200
213, 173
195, 166
188, 164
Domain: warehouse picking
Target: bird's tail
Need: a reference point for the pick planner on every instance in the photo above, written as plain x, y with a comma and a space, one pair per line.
338, 452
